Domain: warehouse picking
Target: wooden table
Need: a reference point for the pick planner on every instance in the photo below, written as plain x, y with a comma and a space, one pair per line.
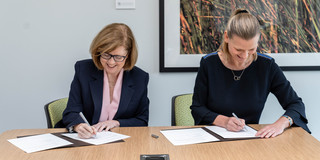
294, 143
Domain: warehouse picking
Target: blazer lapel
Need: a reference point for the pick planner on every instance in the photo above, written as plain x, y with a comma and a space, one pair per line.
126, 94
96, 88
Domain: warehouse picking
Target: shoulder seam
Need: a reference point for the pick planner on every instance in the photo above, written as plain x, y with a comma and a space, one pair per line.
264, 56
210, 54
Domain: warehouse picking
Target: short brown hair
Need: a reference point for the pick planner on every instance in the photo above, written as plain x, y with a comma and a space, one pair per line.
110, 38
242, 24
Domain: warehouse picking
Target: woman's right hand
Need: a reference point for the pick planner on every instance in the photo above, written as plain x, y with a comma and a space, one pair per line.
233, 124
229, 123
85, 131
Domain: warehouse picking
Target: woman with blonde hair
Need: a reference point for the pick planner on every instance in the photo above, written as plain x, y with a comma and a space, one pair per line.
237, 79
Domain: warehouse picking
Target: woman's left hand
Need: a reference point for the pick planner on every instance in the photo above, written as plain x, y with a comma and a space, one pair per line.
275, 129
106, 125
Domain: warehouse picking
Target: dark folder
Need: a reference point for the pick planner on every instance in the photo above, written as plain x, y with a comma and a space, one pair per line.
220, 137
75, 143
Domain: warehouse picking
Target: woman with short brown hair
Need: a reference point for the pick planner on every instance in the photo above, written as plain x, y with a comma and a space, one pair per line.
108, 89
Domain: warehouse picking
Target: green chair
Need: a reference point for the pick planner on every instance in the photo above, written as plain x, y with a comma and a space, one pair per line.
181, 112
54, 111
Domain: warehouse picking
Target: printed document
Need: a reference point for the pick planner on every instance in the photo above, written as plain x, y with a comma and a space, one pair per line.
100, 138
247, 132
188, 136
39, 142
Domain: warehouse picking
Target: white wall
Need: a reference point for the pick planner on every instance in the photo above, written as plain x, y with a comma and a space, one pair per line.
41, 40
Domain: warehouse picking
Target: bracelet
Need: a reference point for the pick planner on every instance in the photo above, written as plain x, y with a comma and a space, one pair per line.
71, 129
290, 119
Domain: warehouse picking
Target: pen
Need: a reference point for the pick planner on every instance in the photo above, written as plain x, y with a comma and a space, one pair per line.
234, 115
85, 120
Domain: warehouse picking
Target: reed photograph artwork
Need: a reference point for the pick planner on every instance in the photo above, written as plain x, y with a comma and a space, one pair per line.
287, 26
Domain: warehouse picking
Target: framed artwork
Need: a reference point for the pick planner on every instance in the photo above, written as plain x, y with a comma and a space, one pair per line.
190, 29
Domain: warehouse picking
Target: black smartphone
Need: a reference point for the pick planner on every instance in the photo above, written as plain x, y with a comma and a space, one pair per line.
155, 157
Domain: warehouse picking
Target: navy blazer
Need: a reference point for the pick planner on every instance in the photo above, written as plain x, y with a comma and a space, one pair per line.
86, 94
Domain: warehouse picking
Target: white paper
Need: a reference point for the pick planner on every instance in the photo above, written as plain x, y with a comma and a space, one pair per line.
247, 132
188, 136
100, 138
38, 142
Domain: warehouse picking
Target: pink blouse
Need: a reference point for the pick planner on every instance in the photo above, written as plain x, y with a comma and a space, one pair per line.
110, 109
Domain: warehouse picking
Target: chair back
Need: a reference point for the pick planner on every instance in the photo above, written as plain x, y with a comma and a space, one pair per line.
54, 111
181, 112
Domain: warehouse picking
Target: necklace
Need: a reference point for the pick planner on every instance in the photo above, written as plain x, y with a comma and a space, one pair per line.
235, 77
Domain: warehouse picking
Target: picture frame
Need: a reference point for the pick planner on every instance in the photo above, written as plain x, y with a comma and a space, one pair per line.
172, 61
